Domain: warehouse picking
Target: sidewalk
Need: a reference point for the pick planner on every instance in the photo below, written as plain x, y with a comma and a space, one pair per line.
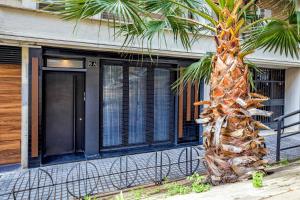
103, 175
284, 184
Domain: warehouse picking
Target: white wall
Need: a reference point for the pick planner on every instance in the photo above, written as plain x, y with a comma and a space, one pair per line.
34, 27
206, 92
16, 3
41, 28
292, 93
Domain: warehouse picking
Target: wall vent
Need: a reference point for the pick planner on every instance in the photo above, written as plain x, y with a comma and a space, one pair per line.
10, 55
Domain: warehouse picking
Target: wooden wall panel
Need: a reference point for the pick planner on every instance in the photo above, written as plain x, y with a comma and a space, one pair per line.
34, 108
10, 113
189, 101
180, 110
196, 91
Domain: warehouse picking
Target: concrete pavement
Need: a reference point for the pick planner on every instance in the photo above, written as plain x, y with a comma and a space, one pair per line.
284, 184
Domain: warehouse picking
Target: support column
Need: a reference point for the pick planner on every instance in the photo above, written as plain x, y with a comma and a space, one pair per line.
92, 107
24, 123
292, 94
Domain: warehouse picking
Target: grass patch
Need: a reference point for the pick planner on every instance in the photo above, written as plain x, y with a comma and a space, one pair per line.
176, 188
284, 162
195, 183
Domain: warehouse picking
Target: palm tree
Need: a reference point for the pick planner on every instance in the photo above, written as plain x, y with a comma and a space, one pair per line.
234, 148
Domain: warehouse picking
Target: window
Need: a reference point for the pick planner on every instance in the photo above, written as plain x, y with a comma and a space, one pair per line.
112, 105
162, 104
137, 105
64, 63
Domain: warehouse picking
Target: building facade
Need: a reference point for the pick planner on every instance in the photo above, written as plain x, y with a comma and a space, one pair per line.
72, 92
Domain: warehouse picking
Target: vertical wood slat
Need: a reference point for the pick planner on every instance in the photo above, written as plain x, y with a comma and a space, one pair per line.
196, 88
34, 107
189, 101
10, 113
180, 109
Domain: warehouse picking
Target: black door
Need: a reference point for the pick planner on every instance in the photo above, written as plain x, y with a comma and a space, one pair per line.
64, 113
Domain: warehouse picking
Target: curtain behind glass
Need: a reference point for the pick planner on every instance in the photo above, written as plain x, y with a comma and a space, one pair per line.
112, 105
137, 105
162, 101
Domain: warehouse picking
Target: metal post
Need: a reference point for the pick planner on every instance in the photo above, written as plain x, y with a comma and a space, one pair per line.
120, 172
278, 140
161, 165
155, 167
186, 162
126, 171
191, 161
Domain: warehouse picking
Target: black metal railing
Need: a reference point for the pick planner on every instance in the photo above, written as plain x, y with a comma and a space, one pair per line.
281, 127
92, 177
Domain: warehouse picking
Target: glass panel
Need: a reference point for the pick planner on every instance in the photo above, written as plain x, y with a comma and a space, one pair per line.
112, 105
137, 105
64, 63
162, 104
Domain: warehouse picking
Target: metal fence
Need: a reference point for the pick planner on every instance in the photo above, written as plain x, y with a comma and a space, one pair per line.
281, 134
88, 178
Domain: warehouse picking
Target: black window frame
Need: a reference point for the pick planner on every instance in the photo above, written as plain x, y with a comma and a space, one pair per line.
149, 102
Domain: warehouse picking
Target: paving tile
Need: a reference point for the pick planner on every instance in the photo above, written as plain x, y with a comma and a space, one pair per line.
99, 176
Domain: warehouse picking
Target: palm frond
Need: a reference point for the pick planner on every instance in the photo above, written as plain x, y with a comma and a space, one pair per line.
196, 72
276, 35
252, 68
121, 11
201, 71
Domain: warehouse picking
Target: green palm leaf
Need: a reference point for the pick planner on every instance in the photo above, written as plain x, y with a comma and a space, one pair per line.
121, 11
201, 71
196, 72
277, 35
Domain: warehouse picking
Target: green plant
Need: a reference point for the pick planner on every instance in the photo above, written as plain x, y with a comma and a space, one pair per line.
175, 188
284, 162
198, 188
257, 179
138, 194
198, 184
120, 196
89, 198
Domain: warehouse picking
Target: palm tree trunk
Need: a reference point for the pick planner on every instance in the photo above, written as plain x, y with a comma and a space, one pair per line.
234, 148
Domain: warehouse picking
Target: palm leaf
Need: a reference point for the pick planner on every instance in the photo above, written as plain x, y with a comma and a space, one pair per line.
276, 35
252, 68
122, 11
196, 72
201, 71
